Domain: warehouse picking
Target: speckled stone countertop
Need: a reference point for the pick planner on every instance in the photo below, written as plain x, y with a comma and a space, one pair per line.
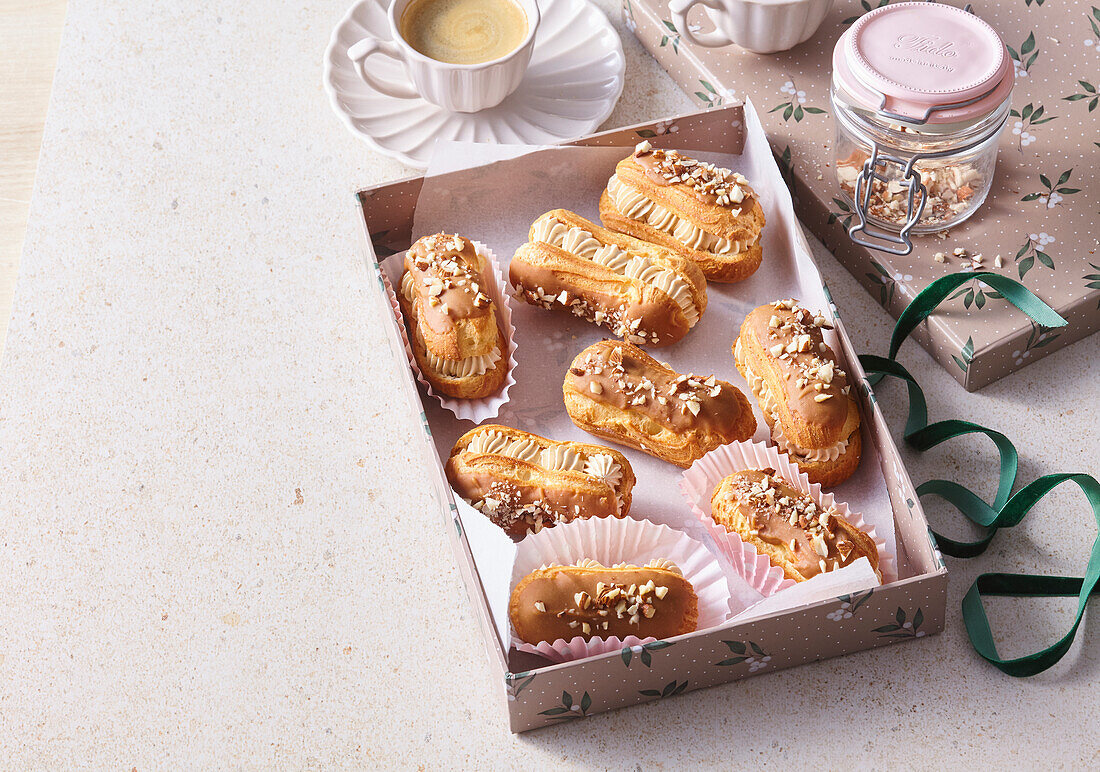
214, 549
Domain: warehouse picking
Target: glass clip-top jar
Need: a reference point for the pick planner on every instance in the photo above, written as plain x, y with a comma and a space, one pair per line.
920, 95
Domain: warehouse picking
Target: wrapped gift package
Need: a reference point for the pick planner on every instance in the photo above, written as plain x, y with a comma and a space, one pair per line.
748, 624
1038, 223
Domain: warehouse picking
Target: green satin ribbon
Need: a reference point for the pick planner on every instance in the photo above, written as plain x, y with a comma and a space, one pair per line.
1032, 586
1007, 509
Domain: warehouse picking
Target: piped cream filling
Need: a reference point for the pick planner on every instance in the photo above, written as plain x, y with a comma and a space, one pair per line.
638, 267
637, 206
408, 287
603, 467
662, 563
467, 367
554, 458
767, 403
561, 457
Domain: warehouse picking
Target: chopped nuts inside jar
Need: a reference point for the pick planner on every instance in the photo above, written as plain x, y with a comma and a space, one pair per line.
951, 188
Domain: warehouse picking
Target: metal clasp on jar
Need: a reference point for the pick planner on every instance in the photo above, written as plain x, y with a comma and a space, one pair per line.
863, 232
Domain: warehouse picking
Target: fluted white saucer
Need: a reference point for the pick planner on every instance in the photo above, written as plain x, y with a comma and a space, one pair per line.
574, 80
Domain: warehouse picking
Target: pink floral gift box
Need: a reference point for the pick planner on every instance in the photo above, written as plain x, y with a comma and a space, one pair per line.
1038, 223
751, 619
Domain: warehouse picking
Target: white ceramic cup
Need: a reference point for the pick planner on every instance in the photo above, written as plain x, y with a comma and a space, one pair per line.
463, 88
761, 26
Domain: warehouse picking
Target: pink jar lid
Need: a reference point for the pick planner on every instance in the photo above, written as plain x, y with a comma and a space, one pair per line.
924, 62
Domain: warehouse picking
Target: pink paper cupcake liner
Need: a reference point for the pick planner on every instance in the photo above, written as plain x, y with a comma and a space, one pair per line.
612, 540
698, 482
476, 410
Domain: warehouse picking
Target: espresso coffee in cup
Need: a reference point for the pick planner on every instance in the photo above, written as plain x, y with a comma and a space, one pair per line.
464, 31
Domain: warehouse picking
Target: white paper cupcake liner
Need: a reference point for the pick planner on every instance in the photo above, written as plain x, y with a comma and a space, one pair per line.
612, 540
476, 410
699, 481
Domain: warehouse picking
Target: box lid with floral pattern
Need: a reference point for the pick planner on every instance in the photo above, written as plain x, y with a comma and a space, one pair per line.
1037, 225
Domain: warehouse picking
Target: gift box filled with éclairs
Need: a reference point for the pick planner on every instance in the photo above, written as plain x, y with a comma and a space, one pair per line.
1037, 223
649, 436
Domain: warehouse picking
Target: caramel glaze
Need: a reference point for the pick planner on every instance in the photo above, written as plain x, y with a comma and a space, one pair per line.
627, 378
783, 324
602, 612
652, 172
453, 261
651, 169
739, 506
708, 183
635, 318
545, 498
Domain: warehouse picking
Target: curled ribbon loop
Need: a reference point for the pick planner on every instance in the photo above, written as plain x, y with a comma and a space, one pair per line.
1007, 509
1031, 586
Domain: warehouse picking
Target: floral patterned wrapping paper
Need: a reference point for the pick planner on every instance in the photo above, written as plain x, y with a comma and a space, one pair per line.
534, 694
1039, 217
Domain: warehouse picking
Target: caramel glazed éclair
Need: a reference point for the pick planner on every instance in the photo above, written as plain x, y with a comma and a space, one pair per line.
815, 390
523, 482
637, 401
642, 292
589, 599
788, 526
704, 212
453, 323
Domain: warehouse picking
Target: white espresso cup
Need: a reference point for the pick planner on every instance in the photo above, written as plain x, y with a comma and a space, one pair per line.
463, 88
761, 26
